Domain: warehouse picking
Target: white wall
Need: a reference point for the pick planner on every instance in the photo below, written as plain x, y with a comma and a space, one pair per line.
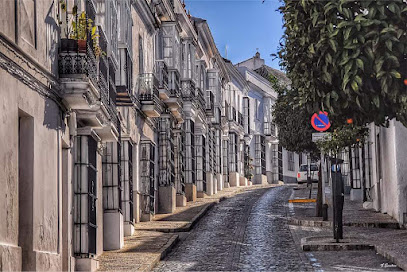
389, 193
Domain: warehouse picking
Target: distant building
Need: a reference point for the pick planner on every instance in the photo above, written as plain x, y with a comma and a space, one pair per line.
272, 162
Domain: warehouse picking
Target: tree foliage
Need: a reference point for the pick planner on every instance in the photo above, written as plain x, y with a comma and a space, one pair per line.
293, 122
348, 58
346, 136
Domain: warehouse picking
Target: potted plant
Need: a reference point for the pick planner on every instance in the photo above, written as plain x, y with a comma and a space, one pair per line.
81, 29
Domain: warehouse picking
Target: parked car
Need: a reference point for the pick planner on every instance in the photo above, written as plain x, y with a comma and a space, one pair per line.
303, 172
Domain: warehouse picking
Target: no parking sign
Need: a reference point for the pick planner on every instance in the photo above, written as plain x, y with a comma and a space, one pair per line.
320, 122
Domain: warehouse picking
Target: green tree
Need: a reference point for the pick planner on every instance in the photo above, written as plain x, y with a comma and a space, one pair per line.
348, 58
293, 121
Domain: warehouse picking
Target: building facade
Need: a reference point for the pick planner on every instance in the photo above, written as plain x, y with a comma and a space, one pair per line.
272, 162
115, 111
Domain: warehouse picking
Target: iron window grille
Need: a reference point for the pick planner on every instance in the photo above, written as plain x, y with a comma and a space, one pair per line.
112, 185
225, 154
85, 196
260, 154
166, 152
355, 168
147, 176
290, 158
179, 161
190, 173
233, 152
127, 181
246, 115
200, 154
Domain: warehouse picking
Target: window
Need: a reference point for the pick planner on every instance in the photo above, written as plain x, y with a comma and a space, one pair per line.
256, 109
140, 55
246, 112
233, 150
147, 176
85, 195
127, 182
112, 185
290, 156
260, 154
225, 147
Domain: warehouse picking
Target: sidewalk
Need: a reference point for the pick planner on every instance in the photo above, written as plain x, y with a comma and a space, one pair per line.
153, 240
363, 226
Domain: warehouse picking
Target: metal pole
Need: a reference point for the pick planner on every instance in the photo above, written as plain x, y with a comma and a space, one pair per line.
322, 172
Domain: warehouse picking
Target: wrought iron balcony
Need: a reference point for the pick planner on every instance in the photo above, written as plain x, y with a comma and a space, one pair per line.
148, 94
77, 62
86, 88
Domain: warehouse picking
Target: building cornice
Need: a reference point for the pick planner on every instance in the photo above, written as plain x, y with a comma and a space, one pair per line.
146, 15
24, 68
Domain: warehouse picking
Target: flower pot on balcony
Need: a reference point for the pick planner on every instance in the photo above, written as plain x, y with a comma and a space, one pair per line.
69, 45
82, 46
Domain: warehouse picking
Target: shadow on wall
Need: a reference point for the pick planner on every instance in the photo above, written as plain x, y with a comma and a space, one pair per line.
53, 116
52, 38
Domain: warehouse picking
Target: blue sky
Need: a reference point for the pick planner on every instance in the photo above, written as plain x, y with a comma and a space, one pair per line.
242, 26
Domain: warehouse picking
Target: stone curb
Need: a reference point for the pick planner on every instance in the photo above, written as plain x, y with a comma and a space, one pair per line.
336, 247
402, 263
326, 243
309, 223
163, 252
318, 223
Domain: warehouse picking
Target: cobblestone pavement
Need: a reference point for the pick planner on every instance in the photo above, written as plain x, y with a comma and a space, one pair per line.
247, 232
353, 260
250, 233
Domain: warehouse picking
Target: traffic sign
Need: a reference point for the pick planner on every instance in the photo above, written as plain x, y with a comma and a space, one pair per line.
320, 122
320, 136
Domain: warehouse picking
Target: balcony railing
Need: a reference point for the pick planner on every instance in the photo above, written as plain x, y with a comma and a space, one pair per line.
71, 63
162, 74
148, 87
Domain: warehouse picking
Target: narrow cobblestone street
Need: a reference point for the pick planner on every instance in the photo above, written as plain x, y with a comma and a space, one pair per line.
247, 232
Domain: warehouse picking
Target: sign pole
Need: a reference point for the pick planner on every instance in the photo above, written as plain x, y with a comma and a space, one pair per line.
322, 172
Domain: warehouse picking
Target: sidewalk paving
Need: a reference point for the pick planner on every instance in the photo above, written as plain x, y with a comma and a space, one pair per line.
365, 226
153, 240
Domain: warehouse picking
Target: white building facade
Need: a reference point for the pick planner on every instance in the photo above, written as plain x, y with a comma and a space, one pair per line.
272, 162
